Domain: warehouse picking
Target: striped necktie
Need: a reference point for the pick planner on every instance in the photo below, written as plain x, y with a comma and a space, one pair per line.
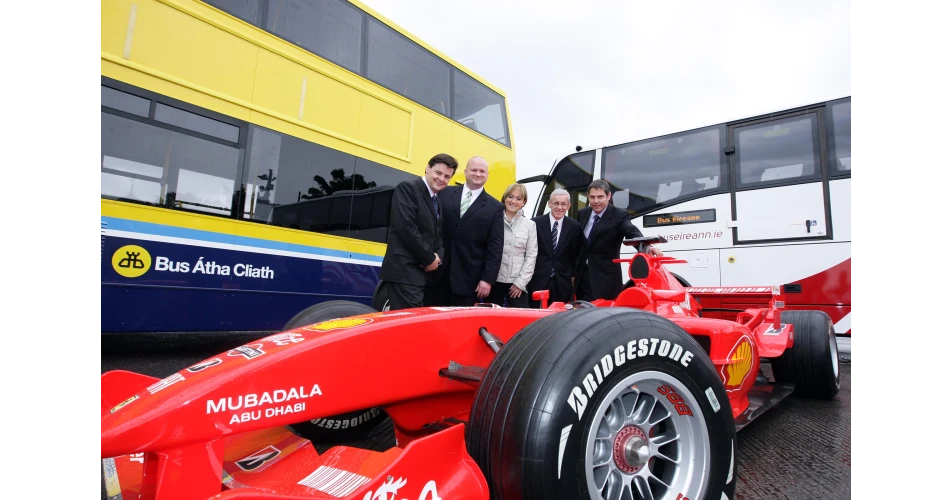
555, 235
467, 200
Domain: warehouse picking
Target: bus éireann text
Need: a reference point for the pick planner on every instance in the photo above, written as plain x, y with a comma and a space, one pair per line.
249, 151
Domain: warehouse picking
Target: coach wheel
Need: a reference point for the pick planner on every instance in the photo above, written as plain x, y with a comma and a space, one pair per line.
347, 425
603, 404
812, 364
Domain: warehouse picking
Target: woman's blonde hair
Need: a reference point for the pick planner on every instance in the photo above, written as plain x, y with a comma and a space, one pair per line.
513, 187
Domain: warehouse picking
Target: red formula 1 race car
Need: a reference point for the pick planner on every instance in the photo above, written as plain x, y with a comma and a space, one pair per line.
639, 397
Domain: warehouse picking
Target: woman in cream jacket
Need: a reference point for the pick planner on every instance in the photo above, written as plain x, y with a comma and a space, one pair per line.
518, 253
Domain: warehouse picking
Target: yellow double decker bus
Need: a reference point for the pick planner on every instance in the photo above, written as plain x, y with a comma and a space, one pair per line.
250, 148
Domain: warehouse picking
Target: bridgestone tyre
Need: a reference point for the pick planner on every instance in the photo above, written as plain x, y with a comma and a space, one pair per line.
813, 364
603, 403
349, 425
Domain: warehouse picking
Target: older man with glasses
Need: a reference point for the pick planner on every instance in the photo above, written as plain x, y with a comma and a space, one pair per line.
560, 240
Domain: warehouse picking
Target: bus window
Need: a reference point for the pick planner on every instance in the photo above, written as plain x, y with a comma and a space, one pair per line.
652, 172
285, 172
331, 30
574, 174
406, 68
479, 108
148, 164
782, 150
246, 10
373, 189
841, 136
123, 101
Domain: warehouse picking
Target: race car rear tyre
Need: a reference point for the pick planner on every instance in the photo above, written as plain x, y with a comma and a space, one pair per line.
813, 364
603, 403
349, 425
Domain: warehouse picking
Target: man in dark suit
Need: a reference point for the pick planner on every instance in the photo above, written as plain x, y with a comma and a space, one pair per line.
604, 226
559, 239
472, 240
414, 239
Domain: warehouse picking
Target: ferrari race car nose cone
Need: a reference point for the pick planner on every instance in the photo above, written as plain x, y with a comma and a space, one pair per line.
631, 449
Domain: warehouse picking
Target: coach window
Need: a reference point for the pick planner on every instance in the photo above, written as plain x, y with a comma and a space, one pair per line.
404, 67
246, 10
665, 170
373, 189
150, 164
841, 137
573, 174
328, 28
780, 151
479, 108
297, 184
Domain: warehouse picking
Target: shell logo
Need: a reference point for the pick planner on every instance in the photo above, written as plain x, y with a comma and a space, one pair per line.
338, 324
740, 365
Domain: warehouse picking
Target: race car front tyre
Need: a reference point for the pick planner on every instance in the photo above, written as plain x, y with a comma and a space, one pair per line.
603, 403
813, 364
349, 425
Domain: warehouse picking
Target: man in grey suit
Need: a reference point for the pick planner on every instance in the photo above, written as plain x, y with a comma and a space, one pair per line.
414, 238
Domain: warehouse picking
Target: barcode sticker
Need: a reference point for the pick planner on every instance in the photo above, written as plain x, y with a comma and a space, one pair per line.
167, 381
336, 482
713, 399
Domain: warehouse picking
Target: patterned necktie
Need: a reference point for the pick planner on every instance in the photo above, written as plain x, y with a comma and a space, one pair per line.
466, 202
555, 235
436, 206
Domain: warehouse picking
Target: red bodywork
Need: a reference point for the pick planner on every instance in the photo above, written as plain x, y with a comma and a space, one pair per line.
217, 428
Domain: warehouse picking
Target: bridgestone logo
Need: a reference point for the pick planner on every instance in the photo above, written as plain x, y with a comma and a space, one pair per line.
578, 398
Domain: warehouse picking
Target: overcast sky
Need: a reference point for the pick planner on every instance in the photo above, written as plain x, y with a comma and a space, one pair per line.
606, 72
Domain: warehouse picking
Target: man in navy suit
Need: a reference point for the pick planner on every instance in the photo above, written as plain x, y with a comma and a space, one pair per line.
559, 239
472, 240
414, 240
604, 226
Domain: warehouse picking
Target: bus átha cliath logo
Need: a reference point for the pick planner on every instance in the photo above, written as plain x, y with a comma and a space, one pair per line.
131, 261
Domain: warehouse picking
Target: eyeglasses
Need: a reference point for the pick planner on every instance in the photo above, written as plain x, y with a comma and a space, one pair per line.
555, 204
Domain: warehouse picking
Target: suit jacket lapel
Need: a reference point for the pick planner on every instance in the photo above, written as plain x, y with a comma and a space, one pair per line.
426, 197
606, 214
478, 202
547, 235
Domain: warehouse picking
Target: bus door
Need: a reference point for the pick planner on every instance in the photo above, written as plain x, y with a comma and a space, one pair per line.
778, 187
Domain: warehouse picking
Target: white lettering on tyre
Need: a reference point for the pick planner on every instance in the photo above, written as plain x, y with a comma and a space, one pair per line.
565, 437
578, 399
730, 471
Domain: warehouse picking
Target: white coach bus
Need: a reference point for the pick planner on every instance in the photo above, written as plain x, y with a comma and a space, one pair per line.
755, 202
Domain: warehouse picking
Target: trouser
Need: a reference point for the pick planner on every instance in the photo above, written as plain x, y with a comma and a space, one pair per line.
391, 296
500, 295
584, 289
